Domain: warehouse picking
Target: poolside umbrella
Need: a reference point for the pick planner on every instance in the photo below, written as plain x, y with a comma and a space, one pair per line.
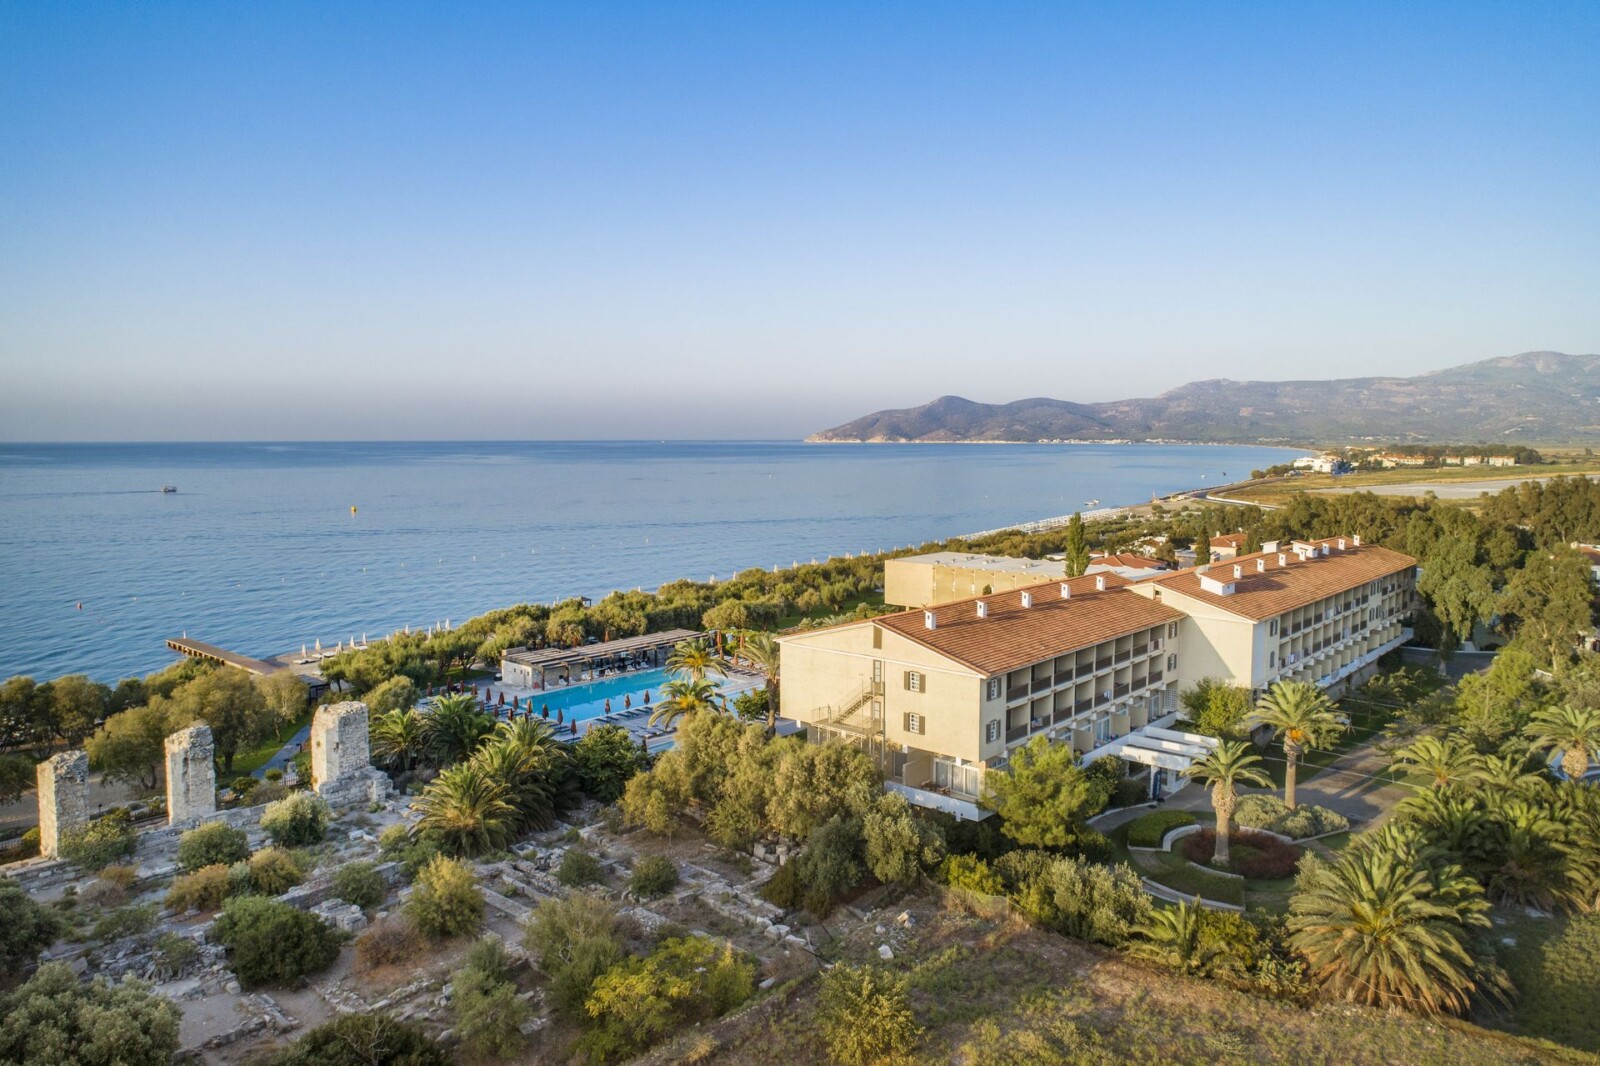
502, 697
545, 711
559, 713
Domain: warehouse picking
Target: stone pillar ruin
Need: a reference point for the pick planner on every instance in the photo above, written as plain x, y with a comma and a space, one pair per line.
63, 798
341, 759
191, 775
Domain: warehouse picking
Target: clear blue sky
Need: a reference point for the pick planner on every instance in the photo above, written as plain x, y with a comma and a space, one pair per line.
590, 219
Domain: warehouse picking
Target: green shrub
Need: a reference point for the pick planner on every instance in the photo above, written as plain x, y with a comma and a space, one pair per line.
212, 844
446, 900
578, 868
782, 889
273, 872
1310, 821
30, 843
1147, 830
971, 874
55, 1019
1129, 793
360, 883
489, 1011
394, 840
273, 775
268, 792
388, 941
684, 980
574, 940
296, 820
272, 943
865, 1015
244, 785
203, 890
828, 867
125, 921
364, 1040
653, 875
1259, 811
26, 928
99, 843
173, 955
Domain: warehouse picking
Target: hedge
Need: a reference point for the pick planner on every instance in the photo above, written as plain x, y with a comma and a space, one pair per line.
1148, 830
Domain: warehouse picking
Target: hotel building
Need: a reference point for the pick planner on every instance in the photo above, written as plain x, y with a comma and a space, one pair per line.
943, 694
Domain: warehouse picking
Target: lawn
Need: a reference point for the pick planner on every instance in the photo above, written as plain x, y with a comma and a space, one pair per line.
1554, 962
249, 760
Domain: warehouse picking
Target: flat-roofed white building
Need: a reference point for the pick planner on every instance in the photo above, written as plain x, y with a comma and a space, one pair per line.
942, 577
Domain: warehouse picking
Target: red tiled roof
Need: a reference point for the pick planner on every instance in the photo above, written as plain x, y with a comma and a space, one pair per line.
1264, 594
1013, 635
1229, 540
1129, 559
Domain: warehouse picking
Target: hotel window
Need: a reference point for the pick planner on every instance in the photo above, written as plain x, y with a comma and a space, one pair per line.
913, 681
1172, 662
914, 723
1102, 731
1272, 629
1272, 659
963, 779
991, 731
993, 689
1172, 630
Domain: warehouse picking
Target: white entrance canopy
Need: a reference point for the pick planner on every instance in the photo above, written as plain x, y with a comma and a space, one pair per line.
1167, 749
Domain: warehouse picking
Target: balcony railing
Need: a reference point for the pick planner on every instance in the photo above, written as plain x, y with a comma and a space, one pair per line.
1040, 684
1155, 675
1118, 691
1017, 692
1016, 732
1141, 650
1104, 697
1082, 705
1102, 663
1123, 656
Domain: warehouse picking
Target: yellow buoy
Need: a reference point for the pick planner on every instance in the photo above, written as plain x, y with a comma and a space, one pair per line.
352, 508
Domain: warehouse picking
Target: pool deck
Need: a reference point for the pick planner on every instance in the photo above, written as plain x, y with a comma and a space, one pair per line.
633, 719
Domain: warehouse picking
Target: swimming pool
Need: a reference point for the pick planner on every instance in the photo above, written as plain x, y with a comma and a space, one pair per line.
580, 702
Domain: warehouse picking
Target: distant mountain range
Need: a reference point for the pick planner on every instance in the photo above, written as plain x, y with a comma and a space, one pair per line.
1547, 397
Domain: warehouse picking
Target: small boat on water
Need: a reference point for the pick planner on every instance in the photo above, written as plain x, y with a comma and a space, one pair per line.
169, 488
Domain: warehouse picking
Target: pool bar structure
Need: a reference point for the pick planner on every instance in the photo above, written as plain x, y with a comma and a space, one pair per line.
531, 668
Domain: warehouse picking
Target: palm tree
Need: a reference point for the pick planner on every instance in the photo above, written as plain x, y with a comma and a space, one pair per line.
467, 811
400, 738
694, 659
1507, 774
1381, 928
1526, 861
534, 766
1445, 762
456, 727
1171, 936
684, 698
1231, 763
762, 651
1455, 823
1300, 714
1573, 731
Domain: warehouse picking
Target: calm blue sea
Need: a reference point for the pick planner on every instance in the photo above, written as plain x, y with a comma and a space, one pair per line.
258, 550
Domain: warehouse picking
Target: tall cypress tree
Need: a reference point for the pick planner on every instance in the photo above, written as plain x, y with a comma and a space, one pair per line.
1202, 544
1077, 546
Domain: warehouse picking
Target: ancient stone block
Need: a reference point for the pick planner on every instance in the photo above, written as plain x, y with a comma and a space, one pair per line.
339, 744
63, 798
191, 775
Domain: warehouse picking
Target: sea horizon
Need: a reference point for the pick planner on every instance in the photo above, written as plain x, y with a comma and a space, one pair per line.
259, 550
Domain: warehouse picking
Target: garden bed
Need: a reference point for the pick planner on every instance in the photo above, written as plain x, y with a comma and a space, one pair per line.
1252, 855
